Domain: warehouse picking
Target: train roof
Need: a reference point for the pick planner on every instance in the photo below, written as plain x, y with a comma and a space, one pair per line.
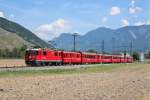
33, 49
70, 52
37, 49
89, 53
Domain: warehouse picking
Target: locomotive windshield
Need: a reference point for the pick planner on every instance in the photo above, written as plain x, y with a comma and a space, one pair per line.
31, 52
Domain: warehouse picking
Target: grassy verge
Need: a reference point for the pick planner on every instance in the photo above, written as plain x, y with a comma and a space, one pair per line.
92, 69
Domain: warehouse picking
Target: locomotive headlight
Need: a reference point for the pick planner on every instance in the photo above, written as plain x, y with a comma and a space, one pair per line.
30, 57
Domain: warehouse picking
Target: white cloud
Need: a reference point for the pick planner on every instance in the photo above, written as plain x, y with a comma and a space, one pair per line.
133, 8
115, 11
125, 22
147, 22
2, 14
11, 16
139, 23
104, 19
52, 30
132, 3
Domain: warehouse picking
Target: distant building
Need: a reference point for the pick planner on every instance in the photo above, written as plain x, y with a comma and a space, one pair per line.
142, 57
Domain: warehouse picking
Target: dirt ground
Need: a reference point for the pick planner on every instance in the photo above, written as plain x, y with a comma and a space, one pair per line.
12, 62
124, 84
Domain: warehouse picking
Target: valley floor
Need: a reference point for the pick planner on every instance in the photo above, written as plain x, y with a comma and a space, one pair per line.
12, 62
120, 84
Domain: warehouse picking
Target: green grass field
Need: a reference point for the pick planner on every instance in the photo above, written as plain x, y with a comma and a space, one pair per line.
93, 69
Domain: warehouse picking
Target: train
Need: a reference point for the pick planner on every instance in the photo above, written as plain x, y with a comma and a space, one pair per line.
48, 57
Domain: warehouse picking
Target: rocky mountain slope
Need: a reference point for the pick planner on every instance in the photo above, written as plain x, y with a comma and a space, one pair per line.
14, 35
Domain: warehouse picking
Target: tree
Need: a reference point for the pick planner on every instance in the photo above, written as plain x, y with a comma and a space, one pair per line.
136, 56
22, 51
147, 55
92, 51
0, 53
13, 53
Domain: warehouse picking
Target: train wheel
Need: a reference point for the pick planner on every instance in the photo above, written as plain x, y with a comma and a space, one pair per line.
46, 63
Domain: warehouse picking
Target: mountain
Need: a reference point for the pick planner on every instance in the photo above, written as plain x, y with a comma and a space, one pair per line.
114, 40
64, 41
139, 35
14, 35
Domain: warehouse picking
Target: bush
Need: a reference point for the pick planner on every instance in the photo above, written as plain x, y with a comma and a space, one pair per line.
136, 56
14, 53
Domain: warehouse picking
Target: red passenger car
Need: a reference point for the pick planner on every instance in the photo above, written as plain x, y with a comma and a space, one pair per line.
71, 57
99, 58
89, 58
107, 58
129, 59
117, 59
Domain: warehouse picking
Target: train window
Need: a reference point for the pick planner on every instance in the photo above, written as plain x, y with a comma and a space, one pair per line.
77, 56
59, 54
64, 55
36, 53
70, 55
44, 53
56, 54
32, 52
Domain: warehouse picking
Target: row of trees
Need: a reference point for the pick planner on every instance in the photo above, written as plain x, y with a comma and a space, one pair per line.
14, 53
147, 55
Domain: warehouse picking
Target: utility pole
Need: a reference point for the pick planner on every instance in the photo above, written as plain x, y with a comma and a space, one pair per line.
74, 41
131, 47
103, 47
113, 45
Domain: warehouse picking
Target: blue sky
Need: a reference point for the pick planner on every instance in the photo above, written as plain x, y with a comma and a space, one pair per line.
49, 18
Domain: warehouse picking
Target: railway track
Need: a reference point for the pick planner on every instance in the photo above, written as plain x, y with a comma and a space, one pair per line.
26, 68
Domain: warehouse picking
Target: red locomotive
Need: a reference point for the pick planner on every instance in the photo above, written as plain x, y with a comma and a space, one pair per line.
46, 57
